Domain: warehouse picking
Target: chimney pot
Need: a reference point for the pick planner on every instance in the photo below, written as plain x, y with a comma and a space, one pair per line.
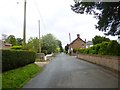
78, 35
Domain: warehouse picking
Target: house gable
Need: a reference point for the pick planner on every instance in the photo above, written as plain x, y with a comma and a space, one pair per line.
78, 43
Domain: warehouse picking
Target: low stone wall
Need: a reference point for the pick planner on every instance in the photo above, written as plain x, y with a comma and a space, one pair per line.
112, 62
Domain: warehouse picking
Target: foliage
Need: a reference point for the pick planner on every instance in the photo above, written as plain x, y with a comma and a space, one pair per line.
107, 13
49, 43
33, 44
18, 77
44, 51
16, 47
4, 37
19, 41
104, 48
99, 39
60, 45
66, 48
12, 59
11, 39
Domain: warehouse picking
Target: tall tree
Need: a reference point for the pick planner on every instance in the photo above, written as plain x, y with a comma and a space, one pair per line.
49, 43
33, 44
4, 37
11, 39
60, 45
99, 39
19, 41
66, 48
108, 14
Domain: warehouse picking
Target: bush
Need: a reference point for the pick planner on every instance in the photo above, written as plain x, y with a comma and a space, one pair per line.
12, 59
103, 48
113, 48
44, 51
17, 47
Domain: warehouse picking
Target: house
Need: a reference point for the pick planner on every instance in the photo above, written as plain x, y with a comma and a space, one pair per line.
4, 45
77, 43
89, 44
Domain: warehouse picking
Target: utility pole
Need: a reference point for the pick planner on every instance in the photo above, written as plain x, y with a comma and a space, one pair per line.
39, 36
24, 25
70, 43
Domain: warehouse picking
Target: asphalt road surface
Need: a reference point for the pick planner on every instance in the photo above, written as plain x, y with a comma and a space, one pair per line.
66, 71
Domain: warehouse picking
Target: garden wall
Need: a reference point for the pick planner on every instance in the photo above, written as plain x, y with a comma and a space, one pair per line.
111, 62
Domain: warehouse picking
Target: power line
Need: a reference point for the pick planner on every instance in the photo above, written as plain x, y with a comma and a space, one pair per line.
39, 13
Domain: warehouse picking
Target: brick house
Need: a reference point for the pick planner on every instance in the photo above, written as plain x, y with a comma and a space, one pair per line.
77, 43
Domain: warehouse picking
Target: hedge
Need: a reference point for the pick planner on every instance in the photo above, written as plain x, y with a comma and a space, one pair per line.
12, 59
17, 47
105, 48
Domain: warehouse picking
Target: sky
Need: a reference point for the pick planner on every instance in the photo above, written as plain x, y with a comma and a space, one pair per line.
56, 17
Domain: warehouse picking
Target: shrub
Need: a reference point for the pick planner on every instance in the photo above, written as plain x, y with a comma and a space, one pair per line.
44, 51
12, 59
103, 48
75, 50
17, 47
113, 48
97, 48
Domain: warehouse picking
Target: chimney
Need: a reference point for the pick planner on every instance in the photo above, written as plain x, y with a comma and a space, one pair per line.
78, 35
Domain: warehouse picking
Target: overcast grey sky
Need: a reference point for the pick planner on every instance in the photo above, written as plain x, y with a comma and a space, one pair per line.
56, 17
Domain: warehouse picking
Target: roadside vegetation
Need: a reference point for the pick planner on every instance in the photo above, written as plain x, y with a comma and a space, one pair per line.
18, 77
18, 61
101, 46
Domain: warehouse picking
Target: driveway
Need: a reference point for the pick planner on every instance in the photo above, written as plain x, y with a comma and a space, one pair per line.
66, 71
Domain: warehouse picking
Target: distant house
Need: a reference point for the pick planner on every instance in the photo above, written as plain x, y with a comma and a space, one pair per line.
77, 43
89, 44
4, 45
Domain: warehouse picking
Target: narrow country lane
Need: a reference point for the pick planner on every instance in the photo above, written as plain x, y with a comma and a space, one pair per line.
66, 71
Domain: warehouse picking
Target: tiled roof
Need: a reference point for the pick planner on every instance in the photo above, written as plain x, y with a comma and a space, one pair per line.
76, 39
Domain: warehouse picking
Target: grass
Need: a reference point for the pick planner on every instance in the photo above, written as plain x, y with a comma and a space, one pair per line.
18, 77
0, 81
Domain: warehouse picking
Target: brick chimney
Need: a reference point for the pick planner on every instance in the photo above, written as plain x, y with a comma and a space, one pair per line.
78, 35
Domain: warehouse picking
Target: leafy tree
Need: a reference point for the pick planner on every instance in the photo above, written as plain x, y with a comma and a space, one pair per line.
99, 39
19, 41
4, 37
33, 44
49, 43
11, 39
66, 48
108, 14
60, 45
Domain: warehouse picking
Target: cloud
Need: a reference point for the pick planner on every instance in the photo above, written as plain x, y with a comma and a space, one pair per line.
55, 17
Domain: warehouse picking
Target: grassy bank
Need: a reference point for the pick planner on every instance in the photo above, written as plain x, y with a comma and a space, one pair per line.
18, 77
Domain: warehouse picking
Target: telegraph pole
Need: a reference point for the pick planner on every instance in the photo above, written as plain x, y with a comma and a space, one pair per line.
70, 43
39, 36
24, 25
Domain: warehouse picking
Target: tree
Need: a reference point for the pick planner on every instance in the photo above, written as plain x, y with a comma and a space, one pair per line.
66, 48
109, 15
4, 37
19, 41
99, 39
33, 44
49, 43
11, 39
60, 45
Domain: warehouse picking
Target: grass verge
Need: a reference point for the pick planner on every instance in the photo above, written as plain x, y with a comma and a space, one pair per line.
18, 77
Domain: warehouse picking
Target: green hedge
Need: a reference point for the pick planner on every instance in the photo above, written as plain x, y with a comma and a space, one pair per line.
12, 59
17, 47
105, 48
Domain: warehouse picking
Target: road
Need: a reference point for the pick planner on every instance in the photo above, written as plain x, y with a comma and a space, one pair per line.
66, 71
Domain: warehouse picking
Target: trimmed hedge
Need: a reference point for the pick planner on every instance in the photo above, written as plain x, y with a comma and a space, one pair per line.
17, 47
12, 59
105, 48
